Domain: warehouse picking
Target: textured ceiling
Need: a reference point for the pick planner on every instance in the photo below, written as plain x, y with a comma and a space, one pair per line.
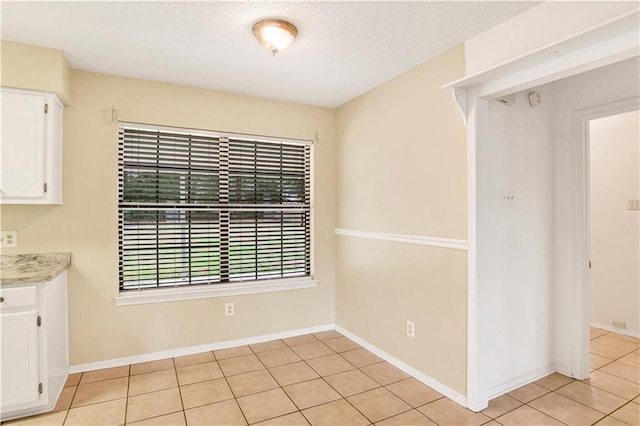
343, 49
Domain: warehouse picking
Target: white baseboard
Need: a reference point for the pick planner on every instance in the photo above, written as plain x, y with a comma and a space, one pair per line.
135, 359
502, 388
564, 370
624, 331
427, 380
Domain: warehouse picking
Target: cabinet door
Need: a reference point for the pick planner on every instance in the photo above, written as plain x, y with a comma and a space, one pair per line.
22, 146
19, 361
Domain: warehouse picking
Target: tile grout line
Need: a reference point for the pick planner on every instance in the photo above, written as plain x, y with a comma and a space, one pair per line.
66, 416
175, 371
126, 402
274, 379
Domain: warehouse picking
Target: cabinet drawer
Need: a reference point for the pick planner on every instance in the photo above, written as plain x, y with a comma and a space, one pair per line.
18, 297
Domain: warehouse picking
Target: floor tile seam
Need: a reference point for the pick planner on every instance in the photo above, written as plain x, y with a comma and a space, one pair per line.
335, 353
357, 393
77, 384
155, 417
277, 417
184, 414
268, 390
397, 414
345, 398
66, 415
299, 344
602, 390
506, 412
425, 414
188, 365
356, 408
129, 394
98, 402
126, 403
627, 362
571, 399
224, 376
618, 347
585, 405
386, 384
537, 397
615, 375
102, 380
611, 361
542, 412
154, 371
620, 408
619, 396
312, 406
315, 357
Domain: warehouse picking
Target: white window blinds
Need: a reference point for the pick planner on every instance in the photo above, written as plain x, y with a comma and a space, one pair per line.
199, 207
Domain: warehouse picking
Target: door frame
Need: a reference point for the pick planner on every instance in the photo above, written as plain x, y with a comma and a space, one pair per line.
581, 227
469, 94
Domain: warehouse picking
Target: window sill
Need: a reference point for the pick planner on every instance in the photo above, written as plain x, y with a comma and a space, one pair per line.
141, 297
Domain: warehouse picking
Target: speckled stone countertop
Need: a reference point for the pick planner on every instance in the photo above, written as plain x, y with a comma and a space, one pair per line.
33, 267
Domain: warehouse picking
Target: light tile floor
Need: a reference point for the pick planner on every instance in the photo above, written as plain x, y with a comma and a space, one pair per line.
326, 379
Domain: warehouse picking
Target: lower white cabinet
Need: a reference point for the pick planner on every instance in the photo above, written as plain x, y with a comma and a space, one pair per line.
34, 357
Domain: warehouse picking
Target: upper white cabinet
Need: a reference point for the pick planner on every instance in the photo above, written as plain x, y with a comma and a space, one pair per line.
30, 148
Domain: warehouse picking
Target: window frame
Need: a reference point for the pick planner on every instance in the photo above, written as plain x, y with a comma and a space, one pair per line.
220, 289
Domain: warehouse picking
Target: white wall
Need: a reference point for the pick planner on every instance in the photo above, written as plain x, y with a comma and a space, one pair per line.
537, 28
516, 242
598, 87
615, 231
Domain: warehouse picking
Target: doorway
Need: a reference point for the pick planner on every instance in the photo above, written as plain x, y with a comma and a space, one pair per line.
614, 223
581, 125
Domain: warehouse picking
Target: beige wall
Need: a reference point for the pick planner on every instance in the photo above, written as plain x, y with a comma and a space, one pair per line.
86, 223
615, 230
35, 68
402, 169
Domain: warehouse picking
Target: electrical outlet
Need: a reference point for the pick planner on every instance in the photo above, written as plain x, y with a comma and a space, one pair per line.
229, 309
411, 329
619, 324
8, 239
633, 205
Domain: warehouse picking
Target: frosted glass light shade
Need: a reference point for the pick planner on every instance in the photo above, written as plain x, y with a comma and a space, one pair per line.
275, 34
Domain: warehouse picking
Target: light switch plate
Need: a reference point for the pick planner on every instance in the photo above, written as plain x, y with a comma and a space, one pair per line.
8, 239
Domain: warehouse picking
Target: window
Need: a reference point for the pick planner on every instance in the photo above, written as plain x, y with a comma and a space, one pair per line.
199, 207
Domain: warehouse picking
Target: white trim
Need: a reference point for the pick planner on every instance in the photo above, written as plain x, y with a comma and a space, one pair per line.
581, 234
155, 356
620, 33
477, 398
139, 297
450, 243
497, 390
623, 331
427, 380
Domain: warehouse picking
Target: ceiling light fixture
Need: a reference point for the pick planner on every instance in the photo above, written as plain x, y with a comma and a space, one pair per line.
275, 34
